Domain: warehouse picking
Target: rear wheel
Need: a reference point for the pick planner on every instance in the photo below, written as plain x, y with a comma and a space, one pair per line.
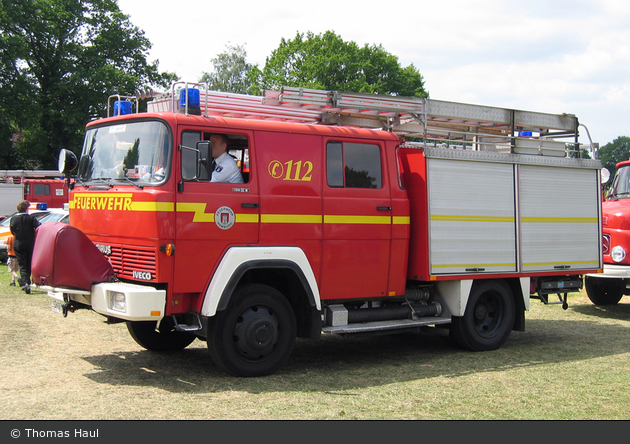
604, 291
255, 335
488, 319
165, 338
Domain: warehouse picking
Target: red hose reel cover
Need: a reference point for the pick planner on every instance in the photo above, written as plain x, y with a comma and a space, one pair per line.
64, 256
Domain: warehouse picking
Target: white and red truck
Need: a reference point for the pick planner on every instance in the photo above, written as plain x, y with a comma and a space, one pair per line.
609, 287
358, 213
43, 187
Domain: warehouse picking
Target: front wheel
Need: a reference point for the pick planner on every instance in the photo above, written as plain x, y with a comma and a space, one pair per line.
488, 319
164, 338
255, 335
604, 291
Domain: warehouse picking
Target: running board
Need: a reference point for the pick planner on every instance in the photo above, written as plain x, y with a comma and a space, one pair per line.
187, 327
399, 324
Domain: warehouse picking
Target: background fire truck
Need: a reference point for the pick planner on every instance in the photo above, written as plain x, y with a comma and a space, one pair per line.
36, 186
608, 288
340, 226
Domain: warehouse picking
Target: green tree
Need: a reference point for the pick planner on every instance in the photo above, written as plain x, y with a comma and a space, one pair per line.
325, 61
614, 152
230, 71
59, 62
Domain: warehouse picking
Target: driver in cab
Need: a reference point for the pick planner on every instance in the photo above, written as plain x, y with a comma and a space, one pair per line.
225, 168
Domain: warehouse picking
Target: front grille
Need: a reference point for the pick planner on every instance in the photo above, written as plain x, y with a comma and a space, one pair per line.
127, 260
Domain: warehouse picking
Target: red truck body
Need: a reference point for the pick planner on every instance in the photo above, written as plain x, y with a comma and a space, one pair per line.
609, 287
52, 192
336, 229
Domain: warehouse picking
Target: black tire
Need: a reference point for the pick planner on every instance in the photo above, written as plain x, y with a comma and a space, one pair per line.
255, 335
488, 319
166, 338
604, 291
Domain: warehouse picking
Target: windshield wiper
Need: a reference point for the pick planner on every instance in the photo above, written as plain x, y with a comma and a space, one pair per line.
106, 180
617, 195
126, 179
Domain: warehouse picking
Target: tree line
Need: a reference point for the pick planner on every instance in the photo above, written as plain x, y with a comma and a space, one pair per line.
60, 60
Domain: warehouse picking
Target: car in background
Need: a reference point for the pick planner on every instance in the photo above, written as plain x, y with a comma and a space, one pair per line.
56, 216
47, 215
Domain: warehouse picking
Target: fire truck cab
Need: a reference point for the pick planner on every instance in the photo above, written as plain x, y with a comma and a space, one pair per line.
339, 226
609, 287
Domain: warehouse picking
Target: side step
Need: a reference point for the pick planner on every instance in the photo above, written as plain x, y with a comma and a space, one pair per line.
376, 326
196, 326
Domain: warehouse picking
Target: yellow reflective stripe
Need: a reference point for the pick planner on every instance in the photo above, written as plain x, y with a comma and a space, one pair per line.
372, 220
101, 201
153, 206
198, 208
457, 218
246, 218
291, 218
530, 264
472, 265
201, 216
566, 220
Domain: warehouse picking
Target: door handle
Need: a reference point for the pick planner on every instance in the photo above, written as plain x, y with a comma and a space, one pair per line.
384, 208
249, 205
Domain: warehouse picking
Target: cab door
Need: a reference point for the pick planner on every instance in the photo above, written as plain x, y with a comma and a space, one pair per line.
357, 221
211, 216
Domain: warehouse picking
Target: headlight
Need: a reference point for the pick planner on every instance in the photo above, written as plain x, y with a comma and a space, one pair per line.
118, 301
618, 254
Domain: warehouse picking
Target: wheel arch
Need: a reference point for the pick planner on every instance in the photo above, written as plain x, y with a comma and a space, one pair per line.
520, 291
520, 294
285, 269
456, 293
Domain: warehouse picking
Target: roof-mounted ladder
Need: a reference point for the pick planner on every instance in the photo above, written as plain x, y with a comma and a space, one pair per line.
434, 122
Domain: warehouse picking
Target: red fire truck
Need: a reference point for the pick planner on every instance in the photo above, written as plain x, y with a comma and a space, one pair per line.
357, 214
609, 287
52, 192
37, 186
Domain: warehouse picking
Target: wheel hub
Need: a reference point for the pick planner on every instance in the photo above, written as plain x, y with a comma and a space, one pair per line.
256, 333
485, 318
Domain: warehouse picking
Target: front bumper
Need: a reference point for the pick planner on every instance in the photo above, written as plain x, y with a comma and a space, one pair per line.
141, 302
613, 272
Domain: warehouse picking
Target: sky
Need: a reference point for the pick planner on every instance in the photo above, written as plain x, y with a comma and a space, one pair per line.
552, 56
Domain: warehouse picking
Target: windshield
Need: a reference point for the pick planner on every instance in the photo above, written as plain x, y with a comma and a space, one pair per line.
620, 187
6, 221
133, 151
53, 217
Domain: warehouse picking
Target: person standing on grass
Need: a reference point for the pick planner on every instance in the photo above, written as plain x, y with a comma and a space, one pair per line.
23, 227
12, 263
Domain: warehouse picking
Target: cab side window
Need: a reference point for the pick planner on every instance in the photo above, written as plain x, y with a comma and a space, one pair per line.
238, 149
353, 165
41, 189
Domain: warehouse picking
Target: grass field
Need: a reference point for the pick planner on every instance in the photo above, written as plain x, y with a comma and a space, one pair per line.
568, 365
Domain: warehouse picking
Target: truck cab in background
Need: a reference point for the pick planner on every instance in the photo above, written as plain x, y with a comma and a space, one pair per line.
52, 192
609, 287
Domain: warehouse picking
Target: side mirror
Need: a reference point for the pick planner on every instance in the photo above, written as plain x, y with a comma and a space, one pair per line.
67, 162
189, 161
605, 176
85, 167
205, 160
